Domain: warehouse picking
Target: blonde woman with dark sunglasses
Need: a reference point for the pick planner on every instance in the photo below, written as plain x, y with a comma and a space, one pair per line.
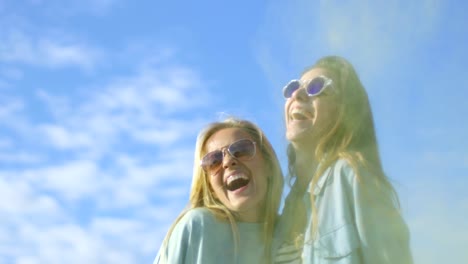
234, 199
342, 208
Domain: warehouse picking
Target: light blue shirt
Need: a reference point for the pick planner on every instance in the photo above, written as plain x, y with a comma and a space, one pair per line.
358, 222
200, 238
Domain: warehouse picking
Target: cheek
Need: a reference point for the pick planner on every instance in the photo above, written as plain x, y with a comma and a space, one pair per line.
326, 117
333, 111
263, 172
215, 183
286, 107
327, 109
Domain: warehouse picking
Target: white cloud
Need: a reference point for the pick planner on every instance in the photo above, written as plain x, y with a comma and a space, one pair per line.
10, 107
24, 204
18, 156
95, 171
112, 149
69, 243
58, 54
140, 107
62, 138
116, 227
171, 89
42, 229
72, 180
156, 136
14, 195
19, 47
104, 240
135, 184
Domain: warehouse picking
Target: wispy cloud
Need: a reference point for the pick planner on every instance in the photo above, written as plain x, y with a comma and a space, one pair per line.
69, 243
140, 107
10, 106
17, 156
73, 180
62, 138
371, 33
113, 166
11, 73
18, 47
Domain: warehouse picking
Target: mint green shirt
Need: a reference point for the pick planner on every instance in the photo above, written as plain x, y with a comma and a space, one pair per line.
200, 238
357, 220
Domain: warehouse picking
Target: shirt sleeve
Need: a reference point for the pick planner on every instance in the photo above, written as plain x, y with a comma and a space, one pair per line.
383, 234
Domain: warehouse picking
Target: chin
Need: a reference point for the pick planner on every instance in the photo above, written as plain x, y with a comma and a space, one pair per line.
294, 136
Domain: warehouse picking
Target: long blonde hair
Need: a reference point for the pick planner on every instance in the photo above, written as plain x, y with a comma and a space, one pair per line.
201, 194
352, 137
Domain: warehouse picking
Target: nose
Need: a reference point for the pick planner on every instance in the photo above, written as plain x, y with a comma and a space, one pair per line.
228, 159
300, 94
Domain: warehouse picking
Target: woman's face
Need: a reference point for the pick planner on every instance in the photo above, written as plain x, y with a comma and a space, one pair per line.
239, 183
307, 118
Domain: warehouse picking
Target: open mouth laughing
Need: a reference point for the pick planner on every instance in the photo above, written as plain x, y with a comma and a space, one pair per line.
236, 181
300, 115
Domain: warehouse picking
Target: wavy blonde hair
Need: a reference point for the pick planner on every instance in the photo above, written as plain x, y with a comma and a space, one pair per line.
201, 193
352, 137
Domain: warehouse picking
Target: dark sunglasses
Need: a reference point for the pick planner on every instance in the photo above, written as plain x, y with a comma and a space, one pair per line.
312, 87
243, 149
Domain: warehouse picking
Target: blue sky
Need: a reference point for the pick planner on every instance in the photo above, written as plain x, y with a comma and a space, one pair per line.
101, 102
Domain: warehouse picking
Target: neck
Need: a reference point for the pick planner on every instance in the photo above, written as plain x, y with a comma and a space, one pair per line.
252, 215
306, 162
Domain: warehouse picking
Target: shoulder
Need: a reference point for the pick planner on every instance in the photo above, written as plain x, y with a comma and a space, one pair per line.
350, 173
197, 218
199, 214
363, 184
341, 173
344, 168
194, 232
195, 225
341, 178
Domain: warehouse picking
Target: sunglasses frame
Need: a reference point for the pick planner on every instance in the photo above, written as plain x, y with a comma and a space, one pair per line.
303, 84
225, 149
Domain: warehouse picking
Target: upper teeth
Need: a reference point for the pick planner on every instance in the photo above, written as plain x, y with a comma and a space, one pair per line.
299, 112
235, 177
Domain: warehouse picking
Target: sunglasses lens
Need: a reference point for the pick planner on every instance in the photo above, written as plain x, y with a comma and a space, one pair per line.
212, 161
315, 86
290, 88
242, 149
